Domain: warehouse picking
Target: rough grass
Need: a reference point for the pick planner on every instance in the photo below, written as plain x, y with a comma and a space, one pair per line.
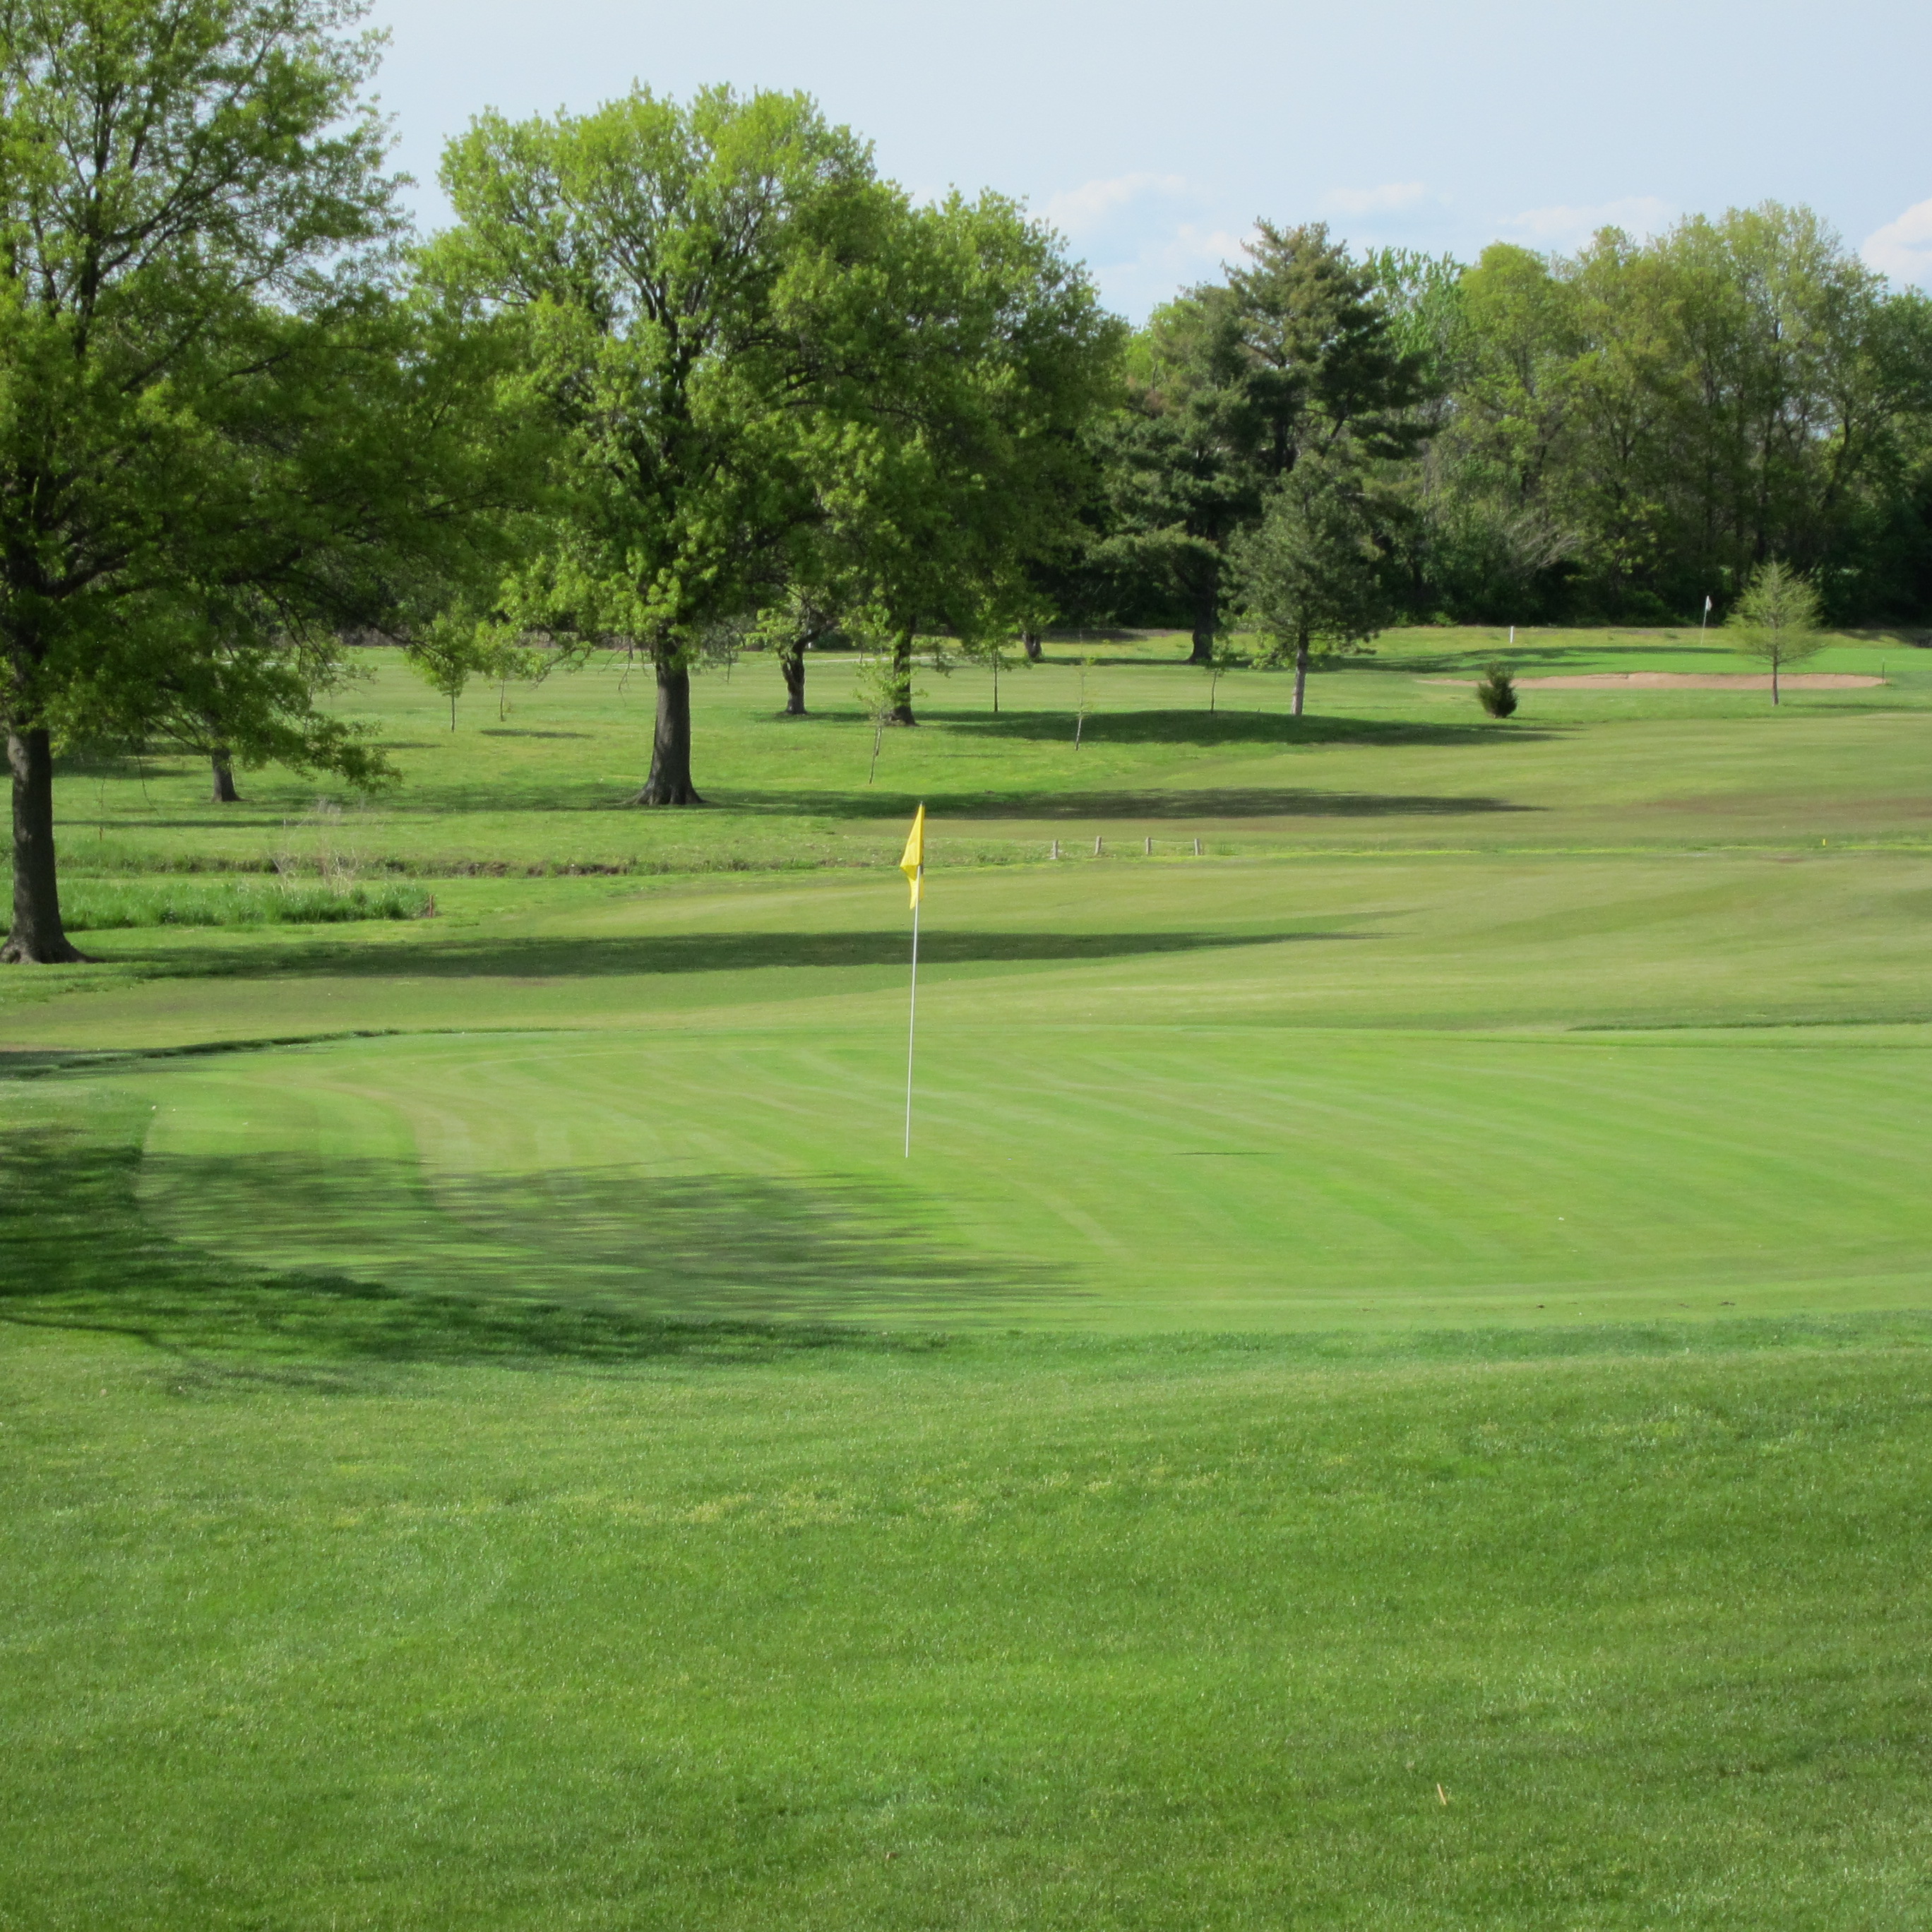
101, 905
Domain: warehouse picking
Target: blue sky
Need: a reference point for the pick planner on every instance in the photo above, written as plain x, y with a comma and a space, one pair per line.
1153, 135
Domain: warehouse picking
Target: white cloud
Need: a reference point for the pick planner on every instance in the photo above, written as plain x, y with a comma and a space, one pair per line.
1077, 210
1375, 200
1571, 227
1903, 249
1144, 236
1191, 247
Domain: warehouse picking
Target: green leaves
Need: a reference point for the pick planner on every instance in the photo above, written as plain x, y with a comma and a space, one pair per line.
669, 263
1235, 385
1778, 619
1633, 428
1311, 570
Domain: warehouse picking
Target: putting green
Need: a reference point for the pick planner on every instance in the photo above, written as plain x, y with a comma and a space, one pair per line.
1216, 1178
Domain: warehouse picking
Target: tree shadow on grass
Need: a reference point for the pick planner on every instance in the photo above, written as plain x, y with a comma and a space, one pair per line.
1208, 729
480, 956
1528, 658
1241, 802
272, 1261
1150, 806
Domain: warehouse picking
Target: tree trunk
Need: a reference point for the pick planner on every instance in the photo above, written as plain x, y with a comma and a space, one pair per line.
670, 782
37, 938
791, 661
1030, 642
223, 762
1207, 615
901, 711
1773, 681
1300, 672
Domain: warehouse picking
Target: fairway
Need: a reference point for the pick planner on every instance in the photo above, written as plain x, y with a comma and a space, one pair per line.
1430, 1289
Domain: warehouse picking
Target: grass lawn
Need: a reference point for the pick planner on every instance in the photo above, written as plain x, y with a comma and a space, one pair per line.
1393, 1391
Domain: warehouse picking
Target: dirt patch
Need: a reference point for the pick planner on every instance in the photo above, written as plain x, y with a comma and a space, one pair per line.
1687, 680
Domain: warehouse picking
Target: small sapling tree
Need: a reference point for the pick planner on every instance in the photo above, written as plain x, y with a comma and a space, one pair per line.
455, 646
1221, 659
994, 649
1311, 570
1776, 619
1496, 693
1080, 719
881, 693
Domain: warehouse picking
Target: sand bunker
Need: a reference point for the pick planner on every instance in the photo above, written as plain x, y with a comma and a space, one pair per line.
1687, 680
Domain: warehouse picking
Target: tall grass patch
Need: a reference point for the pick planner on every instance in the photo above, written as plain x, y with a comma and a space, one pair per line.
98, 905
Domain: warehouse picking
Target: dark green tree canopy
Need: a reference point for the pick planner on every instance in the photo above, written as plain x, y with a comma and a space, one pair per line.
1635, 427
1311, 572
1231, 382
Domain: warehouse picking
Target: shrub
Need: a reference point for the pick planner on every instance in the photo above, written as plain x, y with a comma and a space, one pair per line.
1496, 693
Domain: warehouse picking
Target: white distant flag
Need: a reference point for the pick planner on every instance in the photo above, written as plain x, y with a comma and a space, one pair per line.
1707, 607
1512, 637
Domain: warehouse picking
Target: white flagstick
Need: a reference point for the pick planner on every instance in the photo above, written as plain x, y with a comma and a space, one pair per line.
912, 1017
1703, 621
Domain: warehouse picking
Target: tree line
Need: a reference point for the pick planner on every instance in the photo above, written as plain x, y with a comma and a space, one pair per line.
679, 373
1615, 436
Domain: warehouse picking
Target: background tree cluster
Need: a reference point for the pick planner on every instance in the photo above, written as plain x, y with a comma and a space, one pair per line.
1535, 438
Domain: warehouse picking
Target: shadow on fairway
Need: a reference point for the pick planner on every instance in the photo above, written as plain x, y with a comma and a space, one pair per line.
280, 1260
1201, 803
1526, 657
1208, 729
736, 952
484, 957
1061, 808
1225, 802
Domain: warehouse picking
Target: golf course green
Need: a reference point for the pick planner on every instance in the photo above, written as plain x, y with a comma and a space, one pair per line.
1394, 1389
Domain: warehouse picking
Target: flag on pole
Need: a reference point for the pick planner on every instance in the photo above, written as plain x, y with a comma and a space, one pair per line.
913, 866
914, 863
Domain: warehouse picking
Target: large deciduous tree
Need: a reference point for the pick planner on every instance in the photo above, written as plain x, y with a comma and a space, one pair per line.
767, 368
222, 434
1646, 422
685, 275
959, 465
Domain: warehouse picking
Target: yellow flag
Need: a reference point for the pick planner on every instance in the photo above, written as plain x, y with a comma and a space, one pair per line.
913, 864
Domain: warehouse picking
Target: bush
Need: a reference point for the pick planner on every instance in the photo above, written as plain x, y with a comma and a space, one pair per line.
1496, 693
